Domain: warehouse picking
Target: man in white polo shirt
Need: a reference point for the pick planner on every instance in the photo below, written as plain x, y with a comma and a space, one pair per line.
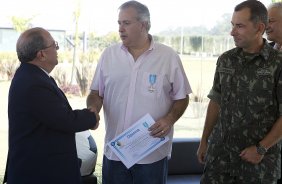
133, 78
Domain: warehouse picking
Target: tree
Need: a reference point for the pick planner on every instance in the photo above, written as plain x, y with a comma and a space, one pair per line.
196, 42
223, 26
76, 15
21, 24
107, 40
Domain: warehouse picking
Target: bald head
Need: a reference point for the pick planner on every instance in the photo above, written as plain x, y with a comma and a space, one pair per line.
29, 43
37, 46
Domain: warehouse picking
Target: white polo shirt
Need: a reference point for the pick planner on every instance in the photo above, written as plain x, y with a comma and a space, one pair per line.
127, 92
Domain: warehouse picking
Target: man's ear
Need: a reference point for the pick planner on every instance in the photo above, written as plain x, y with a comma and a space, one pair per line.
144, 26
40, 55
261, 28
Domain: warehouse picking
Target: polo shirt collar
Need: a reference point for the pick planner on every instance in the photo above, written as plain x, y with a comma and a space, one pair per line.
152, 44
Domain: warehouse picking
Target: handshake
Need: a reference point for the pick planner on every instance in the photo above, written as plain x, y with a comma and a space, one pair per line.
94, 110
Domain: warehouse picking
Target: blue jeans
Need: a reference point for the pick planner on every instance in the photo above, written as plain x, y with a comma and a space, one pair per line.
114, 172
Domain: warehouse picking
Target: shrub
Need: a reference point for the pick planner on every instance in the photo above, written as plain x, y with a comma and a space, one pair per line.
84, 76
8, 64
71, 89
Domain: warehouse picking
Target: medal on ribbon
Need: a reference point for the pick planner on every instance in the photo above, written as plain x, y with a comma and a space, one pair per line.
152, 80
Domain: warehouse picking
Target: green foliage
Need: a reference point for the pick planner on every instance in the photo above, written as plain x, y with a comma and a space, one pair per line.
21, 24
84, 71
101, 42
8, 64
196, 42
160, 39
82, 81
175, 43
60, 75
65, 56
275, 1
112, 37
222, 26
212, 44
90, 56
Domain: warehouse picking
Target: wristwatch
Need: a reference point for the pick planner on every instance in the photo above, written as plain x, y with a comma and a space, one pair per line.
260, 149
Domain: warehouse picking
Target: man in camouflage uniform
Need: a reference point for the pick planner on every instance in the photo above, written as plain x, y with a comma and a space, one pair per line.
243, 122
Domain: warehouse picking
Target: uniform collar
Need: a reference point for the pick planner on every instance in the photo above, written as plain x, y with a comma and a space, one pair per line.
277, 47
264, 52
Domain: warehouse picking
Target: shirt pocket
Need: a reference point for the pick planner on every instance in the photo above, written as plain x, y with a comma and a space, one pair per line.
261, 93
261, 102
152, 84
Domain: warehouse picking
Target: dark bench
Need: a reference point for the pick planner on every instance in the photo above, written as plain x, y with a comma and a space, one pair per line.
91, 179
183, 167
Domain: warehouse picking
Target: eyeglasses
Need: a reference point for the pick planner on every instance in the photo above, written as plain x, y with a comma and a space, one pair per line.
54, 44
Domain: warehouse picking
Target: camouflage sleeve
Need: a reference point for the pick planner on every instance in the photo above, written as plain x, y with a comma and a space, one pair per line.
215, 92
279, 91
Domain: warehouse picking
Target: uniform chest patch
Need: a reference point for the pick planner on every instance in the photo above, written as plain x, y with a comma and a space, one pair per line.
263, 72
226, 70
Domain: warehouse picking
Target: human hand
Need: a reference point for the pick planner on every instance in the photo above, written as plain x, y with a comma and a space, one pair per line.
251, 155
97, 121
91, 109
161, 128
201, 152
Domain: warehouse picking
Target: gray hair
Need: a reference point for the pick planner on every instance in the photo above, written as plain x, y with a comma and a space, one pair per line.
29, 43
142, 11
275, 5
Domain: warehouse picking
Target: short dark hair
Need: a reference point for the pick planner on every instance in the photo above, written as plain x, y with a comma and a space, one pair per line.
257, 9
29, 43
142, 11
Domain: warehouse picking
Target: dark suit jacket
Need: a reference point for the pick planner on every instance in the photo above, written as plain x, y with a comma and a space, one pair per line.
42, 128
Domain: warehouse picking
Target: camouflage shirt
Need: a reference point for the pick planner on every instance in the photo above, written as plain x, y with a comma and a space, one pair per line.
248, 88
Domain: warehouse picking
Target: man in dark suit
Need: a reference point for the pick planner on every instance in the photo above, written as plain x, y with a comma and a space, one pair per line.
42, 124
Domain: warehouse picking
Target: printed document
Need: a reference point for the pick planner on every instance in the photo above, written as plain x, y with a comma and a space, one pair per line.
136, 142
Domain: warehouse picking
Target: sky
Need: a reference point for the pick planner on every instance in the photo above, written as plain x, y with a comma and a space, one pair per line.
100, 16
